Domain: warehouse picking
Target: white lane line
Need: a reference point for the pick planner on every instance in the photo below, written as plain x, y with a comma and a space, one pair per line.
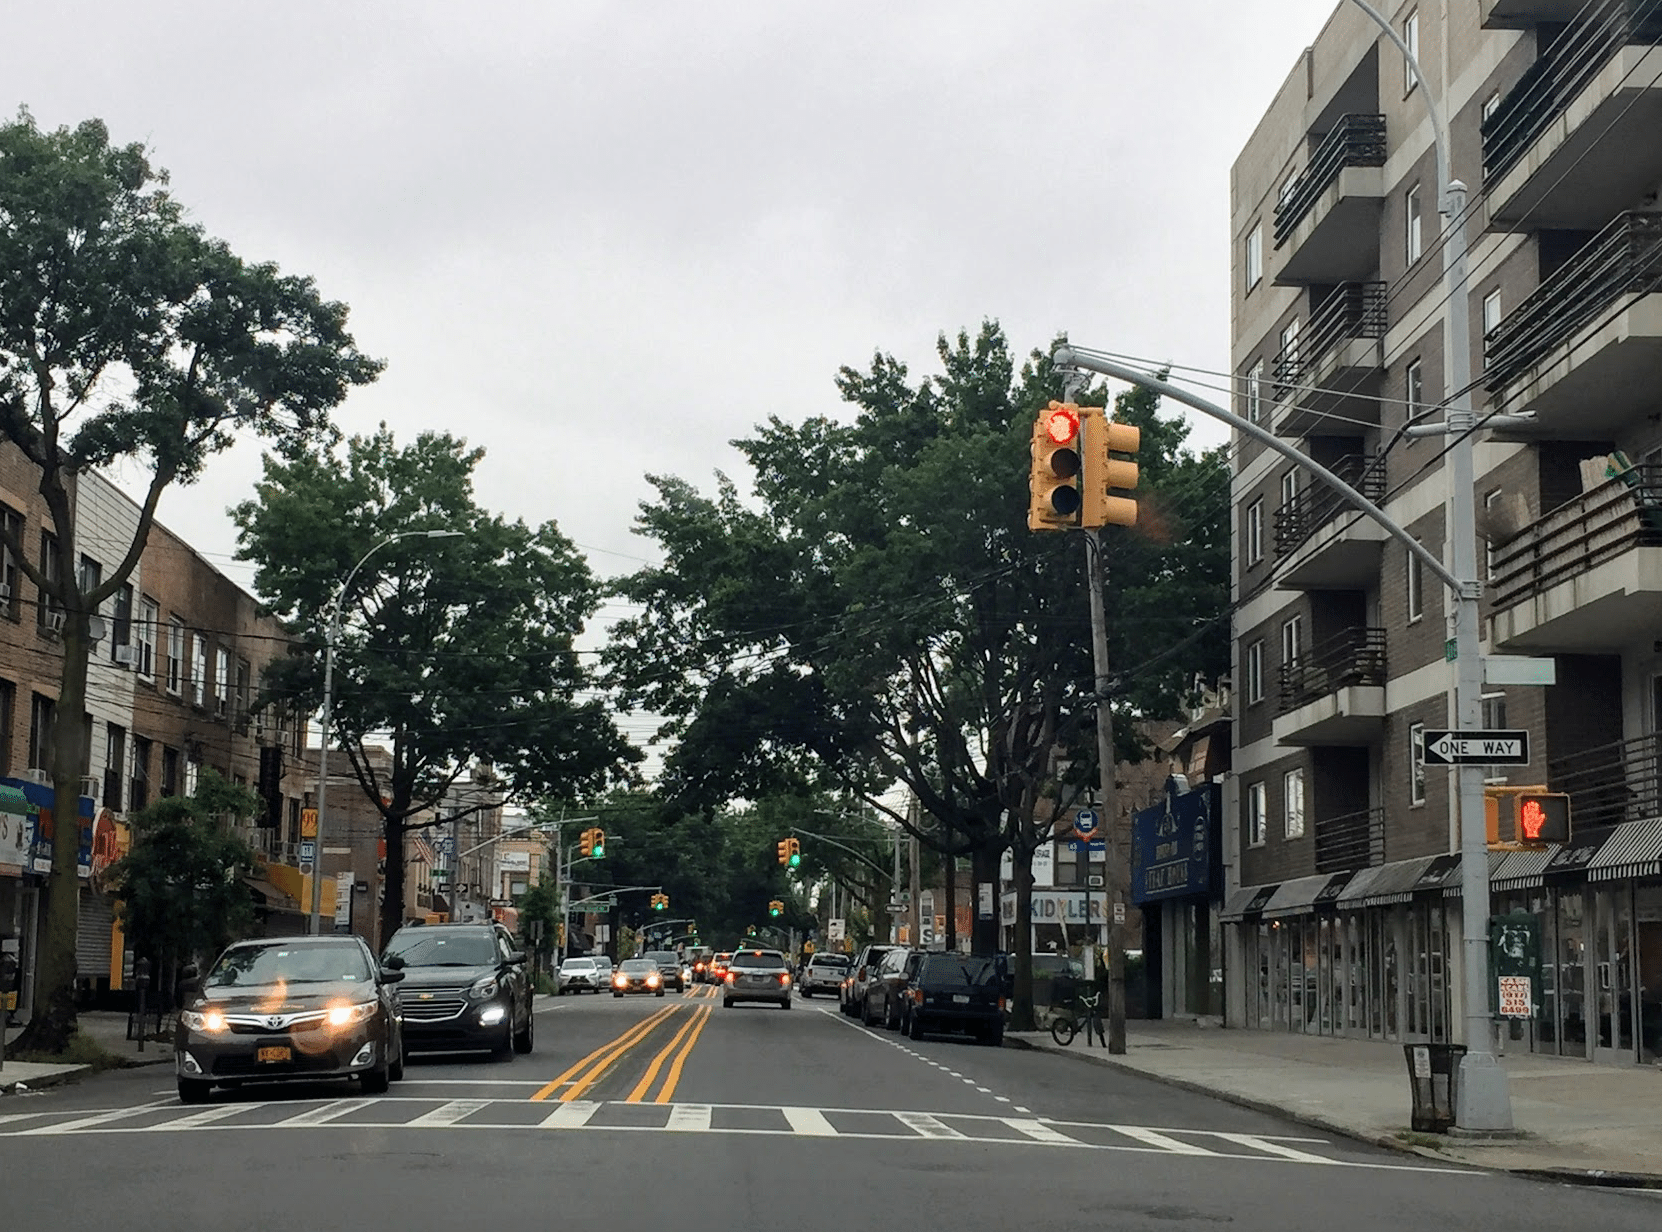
809, 1122
103, 1118
323, 1113
968, 1082
449, 1114
206, 1117
928, 1126
1274, 1148
983, 1090
689, 1118
1003, 1099
1019, 1108
1039, 1131
1153, 1137
574, 1115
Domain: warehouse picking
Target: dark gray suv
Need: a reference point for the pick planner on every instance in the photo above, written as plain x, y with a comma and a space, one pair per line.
465, 987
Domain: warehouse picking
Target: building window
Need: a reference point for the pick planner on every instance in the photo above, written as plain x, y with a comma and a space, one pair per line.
1255, 392
49, 612
1255, 672
8, 701
170, 771
43, 717
115, 759
193, 769
140, 791
1490, 500
1414, 586
121, 626
150, 615
1411, 39
1292, 642
1288, 370
1491, 104
1414, 234
1491, 313
1258, 811
1413, 393
222, 680
1287, 186
91, 574
1292, 794
9, 599
244, 677
1416, 763
1289, 491
199, 668
1255, 257
175, 657
1255, 531
1494, 719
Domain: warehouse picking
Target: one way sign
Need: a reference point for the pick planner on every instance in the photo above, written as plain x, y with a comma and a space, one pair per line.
1482, 748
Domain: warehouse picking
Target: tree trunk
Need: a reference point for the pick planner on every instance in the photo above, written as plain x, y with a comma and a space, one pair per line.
53, 1020
392, 884
949, 883
984, 932
1021, 1011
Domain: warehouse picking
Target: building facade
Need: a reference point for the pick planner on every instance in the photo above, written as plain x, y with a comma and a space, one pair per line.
1345, 915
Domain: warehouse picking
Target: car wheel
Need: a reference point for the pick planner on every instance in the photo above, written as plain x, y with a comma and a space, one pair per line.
914, 1027
194, 1091
618, 995
395, 1071
786, 1003
523, 1041
866, 1019
659, 993
376, 1081
805, 992
727, 1003
994, 1035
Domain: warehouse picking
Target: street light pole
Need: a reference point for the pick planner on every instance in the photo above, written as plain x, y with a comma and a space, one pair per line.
331, 636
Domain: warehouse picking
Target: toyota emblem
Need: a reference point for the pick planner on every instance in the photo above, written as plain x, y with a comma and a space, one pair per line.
276, 1020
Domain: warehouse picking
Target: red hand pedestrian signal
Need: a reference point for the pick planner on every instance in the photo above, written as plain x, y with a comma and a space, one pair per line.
1544, 817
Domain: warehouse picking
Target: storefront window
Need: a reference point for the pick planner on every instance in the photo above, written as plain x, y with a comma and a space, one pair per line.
1264, 998
1614, 963
1647, 922
1571, 981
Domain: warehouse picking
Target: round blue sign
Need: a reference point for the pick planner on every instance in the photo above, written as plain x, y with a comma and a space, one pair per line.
1084, 823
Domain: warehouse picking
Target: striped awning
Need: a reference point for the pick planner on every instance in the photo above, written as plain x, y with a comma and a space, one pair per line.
1357, 891
13, 801
1396, 882
1455, 887
1521, 870
1300, 895
1634, 850
1248, 901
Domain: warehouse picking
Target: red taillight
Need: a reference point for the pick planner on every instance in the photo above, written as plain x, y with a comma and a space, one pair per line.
917, 996
729, 977
783, 978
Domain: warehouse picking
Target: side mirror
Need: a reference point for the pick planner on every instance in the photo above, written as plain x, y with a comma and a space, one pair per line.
517, 958
391, 975
394, 962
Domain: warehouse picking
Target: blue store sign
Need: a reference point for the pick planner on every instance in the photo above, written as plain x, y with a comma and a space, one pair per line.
1175, 847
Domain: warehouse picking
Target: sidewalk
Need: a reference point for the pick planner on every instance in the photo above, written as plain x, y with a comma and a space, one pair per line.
1591, 1123
109, 1030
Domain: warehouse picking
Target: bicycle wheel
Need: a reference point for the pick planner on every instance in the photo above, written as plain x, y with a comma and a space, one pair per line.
1062, 1030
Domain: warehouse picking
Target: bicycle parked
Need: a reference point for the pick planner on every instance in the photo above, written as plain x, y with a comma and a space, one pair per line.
1081, 1014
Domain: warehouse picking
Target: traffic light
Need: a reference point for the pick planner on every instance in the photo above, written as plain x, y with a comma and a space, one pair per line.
1525, 817
1102, 474
794, 848
775, 907
784, 849
585, 843
660, 902
1053, 475
599, 850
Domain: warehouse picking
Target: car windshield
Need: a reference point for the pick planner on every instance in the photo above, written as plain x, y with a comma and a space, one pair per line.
419, 948
638, 966
958, 969
254, 966
829, 960
664, 956
577, 964
763, 961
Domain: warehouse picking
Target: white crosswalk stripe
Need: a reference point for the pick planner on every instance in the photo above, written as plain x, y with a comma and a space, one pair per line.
508, 1115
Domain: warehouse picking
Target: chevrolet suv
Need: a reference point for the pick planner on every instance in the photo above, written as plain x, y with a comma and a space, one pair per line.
465, 987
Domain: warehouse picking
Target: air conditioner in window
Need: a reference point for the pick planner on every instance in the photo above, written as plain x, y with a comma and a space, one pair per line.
91, 785
36, 775
126, 656
5, 592
54, 622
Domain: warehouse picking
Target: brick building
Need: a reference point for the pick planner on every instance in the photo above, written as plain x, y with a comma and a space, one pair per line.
1345, 918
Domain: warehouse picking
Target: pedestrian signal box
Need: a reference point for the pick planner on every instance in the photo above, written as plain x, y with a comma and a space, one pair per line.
1525, 818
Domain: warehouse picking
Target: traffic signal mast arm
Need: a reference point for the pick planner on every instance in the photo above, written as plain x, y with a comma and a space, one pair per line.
887, 873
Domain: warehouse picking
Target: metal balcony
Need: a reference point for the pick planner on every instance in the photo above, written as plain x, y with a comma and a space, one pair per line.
1581, 352
1354, 841
1574, 141
1328, 379
1335, 694
1525, 14
1611, 783
1329, 220
1588, 575
1336, 548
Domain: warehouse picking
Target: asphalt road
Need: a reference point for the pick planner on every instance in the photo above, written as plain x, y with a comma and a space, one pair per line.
675, 1113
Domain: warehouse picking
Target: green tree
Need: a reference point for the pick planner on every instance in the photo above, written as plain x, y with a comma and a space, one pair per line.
539, 920
457, 654
129, 337
181, 888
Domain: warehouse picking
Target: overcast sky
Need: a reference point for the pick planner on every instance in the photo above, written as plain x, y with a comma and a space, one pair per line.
601, 240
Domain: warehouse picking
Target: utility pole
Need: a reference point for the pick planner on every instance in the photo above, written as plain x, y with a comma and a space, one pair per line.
914, 918
1114, 902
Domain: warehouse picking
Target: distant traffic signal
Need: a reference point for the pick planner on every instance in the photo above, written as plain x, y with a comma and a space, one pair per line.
784, 849
660, 902
599, 843
585, 843
775, 907
1053, 474
1101, 474
794, 848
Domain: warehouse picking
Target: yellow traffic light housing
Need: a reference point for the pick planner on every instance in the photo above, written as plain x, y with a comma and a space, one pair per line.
599, 850
1053, 472
793, 851
1102, 474
784, 849
775, 907
585, 843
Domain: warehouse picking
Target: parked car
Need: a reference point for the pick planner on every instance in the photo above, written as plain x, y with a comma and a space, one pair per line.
579, 975
823, 973
669, 968
637, 975
883, 991
718, 967
953, 992
289, 1008
864, 970
465, 987
757, 975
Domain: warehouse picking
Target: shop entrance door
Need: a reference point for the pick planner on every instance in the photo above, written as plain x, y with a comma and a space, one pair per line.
1614, 991
1647, 928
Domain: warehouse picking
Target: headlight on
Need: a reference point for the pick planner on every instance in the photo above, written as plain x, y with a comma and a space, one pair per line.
652, 980
350, 1015
484, 989
211, 1021
620, 980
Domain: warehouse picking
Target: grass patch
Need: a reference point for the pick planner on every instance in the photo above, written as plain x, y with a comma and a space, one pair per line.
81, 1050
1435, 1142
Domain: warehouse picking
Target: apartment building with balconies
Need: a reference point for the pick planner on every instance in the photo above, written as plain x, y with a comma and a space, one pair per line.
1345, 912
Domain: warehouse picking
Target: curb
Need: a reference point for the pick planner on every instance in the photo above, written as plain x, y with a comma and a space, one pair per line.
9, 1086
1564, 1176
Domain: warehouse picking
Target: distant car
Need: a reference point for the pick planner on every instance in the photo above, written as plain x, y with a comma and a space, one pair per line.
637, 975
757, 975
954, 992
864, 971
882, 1000
669, 967
289, 1008
465, 986
823, 973
579, 975
604, 967
718, 967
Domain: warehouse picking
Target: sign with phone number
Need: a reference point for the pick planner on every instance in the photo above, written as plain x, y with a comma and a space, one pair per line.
1517, 996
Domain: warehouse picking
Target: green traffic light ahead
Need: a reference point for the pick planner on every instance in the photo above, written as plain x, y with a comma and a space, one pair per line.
796, 858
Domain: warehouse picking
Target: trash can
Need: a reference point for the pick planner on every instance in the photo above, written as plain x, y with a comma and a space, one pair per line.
1434, 1077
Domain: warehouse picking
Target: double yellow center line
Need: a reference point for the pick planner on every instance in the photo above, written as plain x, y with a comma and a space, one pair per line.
591, 1069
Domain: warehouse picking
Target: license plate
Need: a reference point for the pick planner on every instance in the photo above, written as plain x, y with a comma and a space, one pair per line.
267, 1055
959, 999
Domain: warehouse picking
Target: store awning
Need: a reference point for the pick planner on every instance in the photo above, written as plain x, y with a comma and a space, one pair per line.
13, 801
1300, 895
1360, 884
1385, 883
1634, 850
1574, 857
1247, 902
1442, 871
1521, 870
1454, 884
273, 897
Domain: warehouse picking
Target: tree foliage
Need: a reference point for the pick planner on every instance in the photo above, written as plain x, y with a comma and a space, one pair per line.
129, 336
457, 654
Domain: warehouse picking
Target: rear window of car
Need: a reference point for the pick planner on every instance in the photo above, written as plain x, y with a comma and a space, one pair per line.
758, 962
958, 969
663, 956
829, 960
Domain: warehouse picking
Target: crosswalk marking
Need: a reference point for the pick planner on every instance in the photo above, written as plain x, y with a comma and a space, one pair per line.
1153, 1137
206, 1117
689, 1118
1040, 1132
88, 1122
809, 1122
1274, 1148
449, 1114
574, 1115
929, 1126
322, 1114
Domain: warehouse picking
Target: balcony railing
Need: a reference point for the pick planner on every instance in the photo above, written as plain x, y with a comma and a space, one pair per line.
1356, 141
1598, 526
1316, 504
1623, 259
1352, 311
1611, 782
1356, 840
1355, 657
1554, 81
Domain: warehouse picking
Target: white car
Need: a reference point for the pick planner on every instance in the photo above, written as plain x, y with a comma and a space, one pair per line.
580, 975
